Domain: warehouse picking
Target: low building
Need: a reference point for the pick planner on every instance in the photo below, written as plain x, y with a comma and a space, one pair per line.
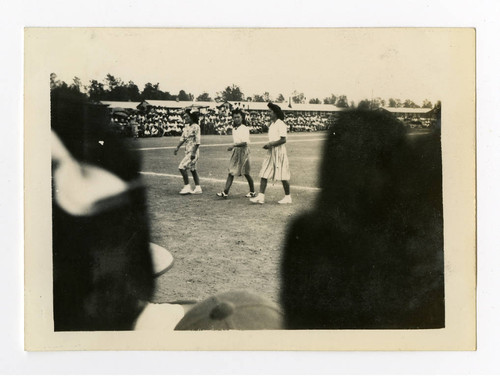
305, 108
413, 117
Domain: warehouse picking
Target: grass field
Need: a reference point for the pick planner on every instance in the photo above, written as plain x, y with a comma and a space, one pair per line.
223, 244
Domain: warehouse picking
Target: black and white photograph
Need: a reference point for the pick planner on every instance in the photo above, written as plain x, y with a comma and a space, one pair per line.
268, 185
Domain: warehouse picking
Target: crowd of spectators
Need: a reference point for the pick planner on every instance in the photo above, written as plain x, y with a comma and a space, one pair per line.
416, 121
156, 122
220, 121
307, 122
160, 121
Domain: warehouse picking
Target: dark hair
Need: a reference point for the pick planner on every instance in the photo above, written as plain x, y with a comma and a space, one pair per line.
238, 111
370, 254
242, 113
102, 267
277, 110
194, 116
81, 125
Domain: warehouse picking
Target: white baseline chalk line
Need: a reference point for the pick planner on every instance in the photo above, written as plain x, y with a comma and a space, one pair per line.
202, 146
312, 189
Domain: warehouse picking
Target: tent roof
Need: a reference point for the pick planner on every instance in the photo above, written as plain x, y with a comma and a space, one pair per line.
313, 107
168, 104
250, 106
261, 106
114, 104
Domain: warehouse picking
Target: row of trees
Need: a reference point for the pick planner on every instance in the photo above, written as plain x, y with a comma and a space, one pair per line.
341, 101
234, 93
395, 102
114, 89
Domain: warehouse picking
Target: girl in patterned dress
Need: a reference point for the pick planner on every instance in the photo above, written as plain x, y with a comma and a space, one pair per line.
191, 137
275, 166
240, 159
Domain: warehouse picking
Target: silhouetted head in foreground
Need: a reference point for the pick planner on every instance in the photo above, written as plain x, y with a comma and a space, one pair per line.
102, 268
370, 254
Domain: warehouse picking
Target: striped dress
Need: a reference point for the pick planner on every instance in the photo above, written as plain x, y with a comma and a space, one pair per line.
275, 165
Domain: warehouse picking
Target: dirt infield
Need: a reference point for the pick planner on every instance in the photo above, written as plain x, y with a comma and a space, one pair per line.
223, 244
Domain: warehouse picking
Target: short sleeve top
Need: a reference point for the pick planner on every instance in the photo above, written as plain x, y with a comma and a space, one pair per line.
277, 130
241, 134
192, 136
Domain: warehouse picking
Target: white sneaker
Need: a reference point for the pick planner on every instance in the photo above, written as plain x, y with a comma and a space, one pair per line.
186, 190
197, 190
251, 195
258, 200
286, 200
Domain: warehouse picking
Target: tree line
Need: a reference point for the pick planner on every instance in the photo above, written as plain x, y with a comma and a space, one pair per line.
115, 89
375, 103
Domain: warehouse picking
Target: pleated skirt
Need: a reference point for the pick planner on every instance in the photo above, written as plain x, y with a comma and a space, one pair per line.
275, 166
239, 164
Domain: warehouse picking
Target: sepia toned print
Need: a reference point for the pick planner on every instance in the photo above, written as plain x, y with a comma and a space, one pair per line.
358, 246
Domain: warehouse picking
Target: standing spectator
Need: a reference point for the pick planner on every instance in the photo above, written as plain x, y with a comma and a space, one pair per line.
134, 128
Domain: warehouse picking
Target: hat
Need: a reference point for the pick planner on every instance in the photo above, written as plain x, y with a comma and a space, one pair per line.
277, 110
238, 310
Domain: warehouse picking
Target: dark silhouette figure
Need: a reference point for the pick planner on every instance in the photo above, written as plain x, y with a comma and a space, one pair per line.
370, 254
102, 268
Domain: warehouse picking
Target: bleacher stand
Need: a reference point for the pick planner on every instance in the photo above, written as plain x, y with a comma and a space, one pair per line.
157, 121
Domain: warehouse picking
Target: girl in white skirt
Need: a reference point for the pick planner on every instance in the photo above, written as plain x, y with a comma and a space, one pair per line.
240, 159
275, 166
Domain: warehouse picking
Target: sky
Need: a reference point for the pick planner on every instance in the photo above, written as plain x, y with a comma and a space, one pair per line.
358, 63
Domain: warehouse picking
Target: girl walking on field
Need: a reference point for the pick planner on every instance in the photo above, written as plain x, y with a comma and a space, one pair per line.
240, 159
191, 136
275, 166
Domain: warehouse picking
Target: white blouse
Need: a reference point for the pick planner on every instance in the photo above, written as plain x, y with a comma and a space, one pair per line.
277, 130
241, 134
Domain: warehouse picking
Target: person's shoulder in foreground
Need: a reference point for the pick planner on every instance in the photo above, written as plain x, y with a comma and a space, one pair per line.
370, 254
